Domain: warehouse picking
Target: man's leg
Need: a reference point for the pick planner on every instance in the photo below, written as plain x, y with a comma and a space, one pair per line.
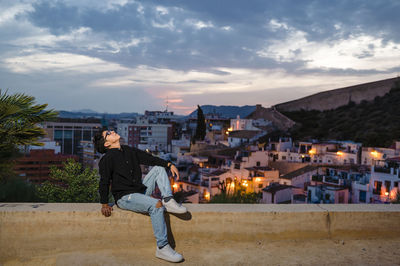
144, 204
158, 175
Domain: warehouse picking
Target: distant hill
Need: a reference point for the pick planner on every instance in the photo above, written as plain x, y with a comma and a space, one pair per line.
80, 114
335, 98
226, 111
374, 123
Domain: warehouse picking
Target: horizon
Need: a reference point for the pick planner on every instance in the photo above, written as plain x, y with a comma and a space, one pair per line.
126, 56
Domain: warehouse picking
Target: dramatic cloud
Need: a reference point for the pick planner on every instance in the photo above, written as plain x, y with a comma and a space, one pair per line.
133, 55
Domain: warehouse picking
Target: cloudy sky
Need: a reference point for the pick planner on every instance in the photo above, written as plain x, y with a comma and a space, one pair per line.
129, 56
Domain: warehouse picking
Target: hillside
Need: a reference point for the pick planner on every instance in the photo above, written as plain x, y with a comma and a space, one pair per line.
332, 99
226, 111
374, 123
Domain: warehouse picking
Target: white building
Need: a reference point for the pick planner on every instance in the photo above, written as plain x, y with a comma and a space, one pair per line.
277, 193
240, 137
385, 178
243, 124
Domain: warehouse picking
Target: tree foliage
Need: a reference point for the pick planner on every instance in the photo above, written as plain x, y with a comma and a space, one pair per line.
19, 118
201, 125
372, 123
18, 190
70, 184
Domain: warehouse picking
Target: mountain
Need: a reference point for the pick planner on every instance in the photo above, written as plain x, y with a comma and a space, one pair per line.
374, 123
339, 97
80, 114
226, 111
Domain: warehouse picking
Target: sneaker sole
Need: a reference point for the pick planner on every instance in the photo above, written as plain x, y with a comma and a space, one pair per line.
168, 259
177, 212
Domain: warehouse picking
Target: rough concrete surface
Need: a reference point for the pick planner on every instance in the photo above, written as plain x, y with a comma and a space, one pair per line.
231, 234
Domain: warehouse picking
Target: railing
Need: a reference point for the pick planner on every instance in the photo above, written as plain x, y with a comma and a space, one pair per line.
382, 170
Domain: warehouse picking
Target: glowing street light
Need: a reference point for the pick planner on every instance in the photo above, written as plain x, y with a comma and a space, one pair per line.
311, 152
339, 153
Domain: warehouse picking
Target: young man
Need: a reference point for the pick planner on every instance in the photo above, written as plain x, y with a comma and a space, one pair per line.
120, 168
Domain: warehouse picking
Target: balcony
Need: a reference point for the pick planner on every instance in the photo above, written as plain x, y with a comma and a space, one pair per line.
384, 170
210, 234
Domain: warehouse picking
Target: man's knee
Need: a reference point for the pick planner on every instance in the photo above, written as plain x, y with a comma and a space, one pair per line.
158, 204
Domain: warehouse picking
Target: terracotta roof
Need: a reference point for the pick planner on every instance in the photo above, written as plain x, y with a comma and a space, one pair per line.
259, 168
298, 172
274, 187
243, 134
216, 172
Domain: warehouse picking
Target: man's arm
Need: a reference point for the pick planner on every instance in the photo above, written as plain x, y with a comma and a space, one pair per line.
148, 159
105, 170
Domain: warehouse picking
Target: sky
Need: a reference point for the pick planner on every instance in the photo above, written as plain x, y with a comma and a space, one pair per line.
130, 56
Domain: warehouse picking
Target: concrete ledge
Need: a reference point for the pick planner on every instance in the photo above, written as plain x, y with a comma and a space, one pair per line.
29, 229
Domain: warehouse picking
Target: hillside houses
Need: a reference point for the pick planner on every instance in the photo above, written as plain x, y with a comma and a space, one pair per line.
231, 158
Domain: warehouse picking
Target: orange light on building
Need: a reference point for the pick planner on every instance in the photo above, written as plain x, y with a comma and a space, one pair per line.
339, 153
258, 179
207, 196
230, 129
175, 186
374, 153
311, 151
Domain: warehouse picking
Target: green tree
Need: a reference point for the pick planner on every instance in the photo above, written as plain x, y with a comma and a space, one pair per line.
19, 118
201, 125
18, 190
70, 184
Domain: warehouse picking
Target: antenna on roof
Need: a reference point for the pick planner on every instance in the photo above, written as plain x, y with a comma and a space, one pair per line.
166, 108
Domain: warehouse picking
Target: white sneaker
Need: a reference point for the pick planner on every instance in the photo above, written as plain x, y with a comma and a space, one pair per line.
173, 207
168, 254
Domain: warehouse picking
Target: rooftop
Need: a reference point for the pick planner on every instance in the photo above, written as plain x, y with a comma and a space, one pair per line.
298, 172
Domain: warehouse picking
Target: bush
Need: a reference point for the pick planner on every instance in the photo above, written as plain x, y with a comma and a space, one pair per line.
18, 190
71, 184
239, 196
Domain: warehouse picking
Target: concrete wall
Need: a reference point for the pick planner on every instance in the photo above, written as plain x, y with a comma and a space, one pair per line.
27, 230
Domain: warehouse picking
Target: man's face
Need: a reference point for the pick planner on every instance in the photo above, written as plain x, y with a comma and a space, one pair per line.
110, 137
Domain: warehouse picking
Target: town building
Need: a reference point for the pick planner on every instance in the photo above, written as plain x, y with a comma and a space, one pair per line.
154, 137
69, 132
385, 178
35, 166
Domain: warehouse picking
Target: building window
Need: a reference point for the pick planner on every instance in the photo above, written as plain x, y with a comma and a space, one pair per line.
258, 163
363, 196
260, 185
387, 185
283, 157
377, 187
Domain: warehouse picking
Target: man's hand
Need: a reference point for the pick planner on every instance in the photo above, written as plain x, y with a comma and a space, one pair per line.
174, 171
106, 210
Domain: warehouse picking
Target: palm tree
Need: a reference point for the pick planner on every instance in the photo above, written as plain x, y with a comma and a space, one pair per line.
19, 119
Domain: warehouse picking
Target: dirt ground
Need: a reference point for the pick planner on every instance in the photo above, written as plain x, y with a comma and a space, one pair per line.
282, 252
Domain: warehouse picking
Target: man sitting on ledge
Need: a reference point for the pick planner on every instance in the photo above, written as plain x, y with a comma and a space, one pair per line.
120, 167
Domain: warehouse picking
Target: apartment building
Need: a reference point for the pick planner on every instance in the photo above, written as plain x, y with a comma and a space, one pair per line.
69, 132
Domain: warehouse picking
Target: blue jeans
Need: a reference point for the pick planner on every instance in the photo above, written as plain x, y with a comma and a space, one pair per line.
143, 203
